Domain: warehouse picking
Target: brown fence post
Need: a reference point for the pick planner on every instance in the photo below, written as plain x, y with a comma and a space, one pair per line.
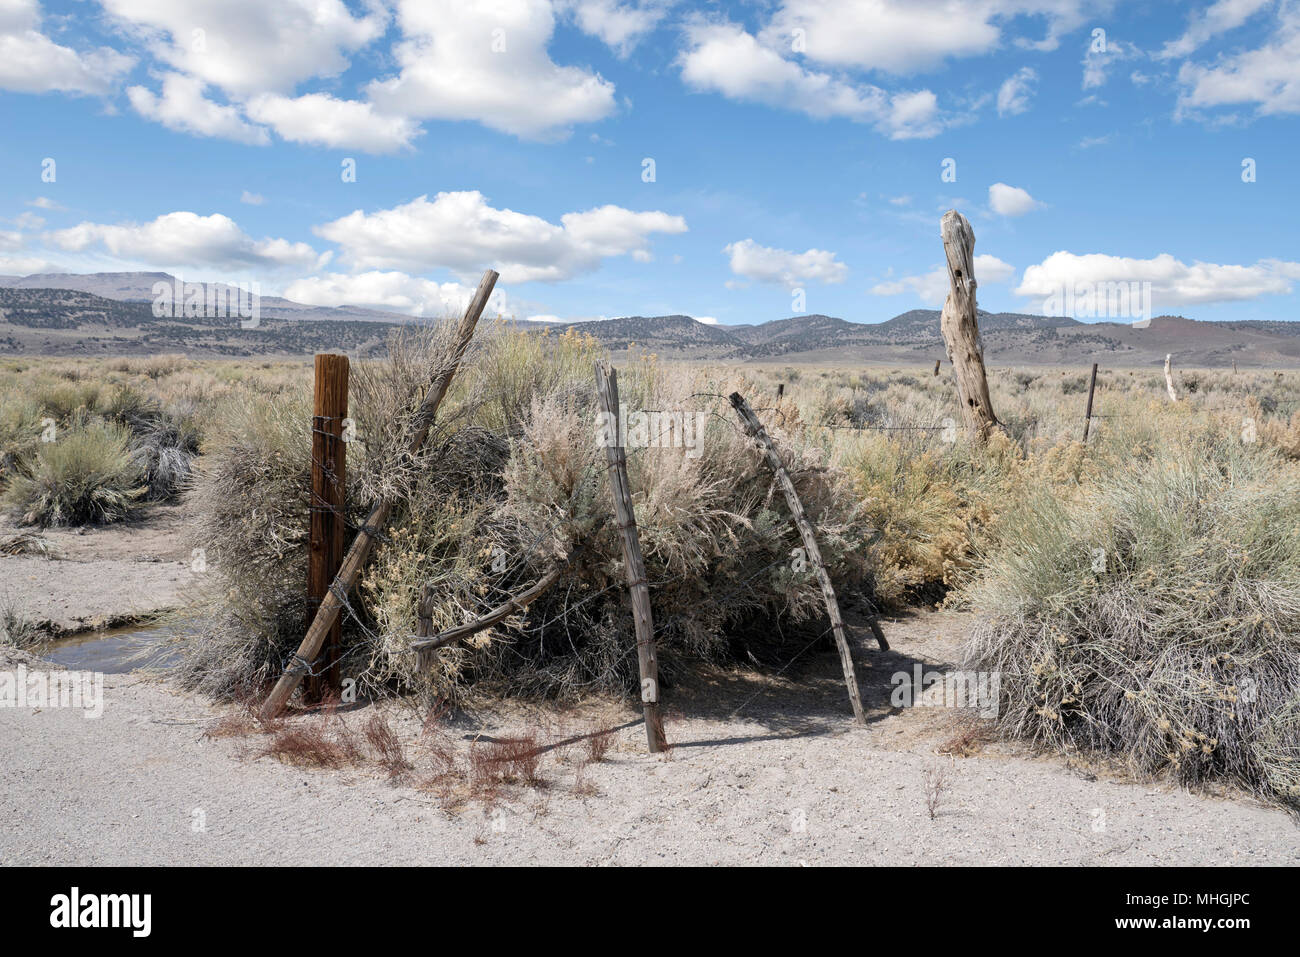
937, 363
327, 527
359, 551
1087, 415
755, 428
616, 456
960, 327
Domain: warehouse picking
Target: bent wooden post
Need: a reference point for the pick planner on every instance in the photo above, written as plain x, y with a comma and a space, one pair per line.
755, 428
1087, 415
960, 327
327, 531
332, 604
426, 645
646, 658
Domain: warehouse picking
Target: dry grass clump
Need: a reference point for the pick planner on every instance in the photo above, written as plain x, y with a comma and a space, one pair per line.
1156, 615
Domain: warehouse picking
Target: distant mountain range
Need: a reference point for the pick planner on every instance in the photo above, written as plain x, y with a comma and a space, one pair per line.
111, 314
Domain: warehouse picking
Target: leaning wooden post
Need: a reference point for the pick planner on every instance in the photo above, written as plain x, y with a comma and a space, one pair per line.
1169, 376
1087, 415
616, 456
332, 604
937, 363
755, 428
960, 327
327, 532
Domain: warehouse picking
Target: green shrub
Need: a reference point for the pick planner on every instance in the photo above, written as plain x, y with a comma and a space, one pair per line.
1156, 615
87, 474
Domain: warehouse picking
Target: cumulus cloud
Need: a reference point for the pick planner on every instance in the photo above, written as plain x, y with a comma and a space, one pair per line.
1267, 77
246, 47
1016, 91
187, 239
620, 26
322, 120
765, 264
30, 62
182, 106
489, 63
909, 36
1173, 282
725, 58
461, 232
1011, 200
390, 290
932, 287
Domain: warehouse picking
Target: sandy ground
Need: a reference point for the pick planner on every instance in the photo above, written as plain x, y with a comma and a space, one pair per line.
99, 577
763, 770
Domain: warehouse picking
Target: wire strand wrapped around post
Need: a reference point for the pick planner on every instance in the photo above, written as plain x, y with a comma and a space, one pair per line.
332, 604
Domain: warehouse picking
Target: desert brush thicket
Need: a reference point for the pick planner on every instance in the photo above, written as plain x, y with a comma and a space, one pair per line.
81, 445
1137, 594
512, 481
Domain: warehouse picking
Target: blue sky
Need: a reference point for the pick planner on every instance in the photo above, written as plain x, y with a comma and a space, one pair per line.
798, 150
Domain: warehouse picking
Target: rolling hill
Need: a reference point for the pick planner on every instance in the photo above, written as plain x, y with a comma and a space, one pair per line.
111, 314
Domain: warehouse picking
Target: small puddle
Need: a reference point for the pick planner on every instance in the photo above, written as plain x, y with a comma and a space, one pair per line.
114, 651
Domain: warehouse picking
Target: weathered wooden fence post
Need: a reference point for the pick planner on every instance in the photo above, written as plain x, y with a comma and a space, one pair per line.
937, 363
332, 604
1169, 376
960, 327
616, 456
328, 530
755, 428
1087, 415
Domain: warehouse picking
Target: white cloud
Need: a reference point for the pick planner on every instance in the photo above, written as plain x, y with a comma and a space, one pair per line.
1097, 63
489, 63
1173, 282
1011, 200
251, 199
44, 202
1016, 91
1268, 77
932, 287
461, 232
187, 239
724, 58
765, 264
908, 36
25, 266
390, 290
322, 120
30, 62
247, 47
183, 107
1215, 19
620, 26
